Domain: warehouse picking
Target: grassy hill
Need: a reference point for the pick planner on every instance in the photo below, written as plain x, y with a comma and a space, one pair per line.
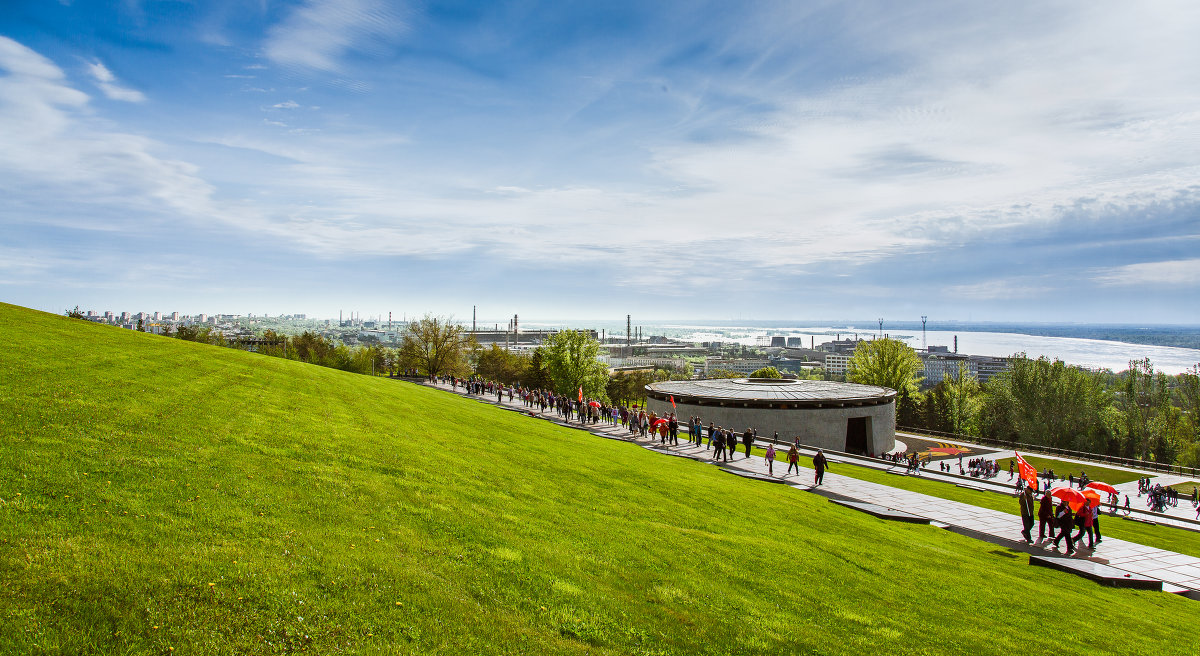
158, 495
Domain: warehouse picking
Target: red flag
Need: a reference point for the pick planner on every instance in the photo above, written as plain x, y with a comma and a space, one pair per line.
1027, 471
672, 401
581, 393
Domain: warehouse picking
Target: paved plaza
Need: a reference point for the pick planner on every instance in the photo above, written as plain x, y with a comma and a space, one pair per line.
1179, 572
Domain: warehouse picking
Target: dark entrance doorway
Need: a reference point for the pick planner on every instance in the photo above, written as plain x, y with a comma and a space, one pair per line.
856, 435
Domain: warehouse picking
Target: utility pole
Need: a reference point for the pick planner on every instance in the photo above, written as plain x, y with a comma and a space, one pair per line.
628, 333
924, 344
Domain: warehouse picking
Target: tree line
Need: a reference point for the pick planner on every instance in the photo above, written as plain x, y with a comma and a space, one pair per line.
1137, 413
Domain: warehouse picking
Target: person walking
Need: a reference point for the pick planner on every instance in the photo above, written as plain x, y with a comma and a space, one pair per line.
1027, 514
819, 464
1096, 523
1084, 521
1066, 522
793, 460
748, 440
771, 459
719, 446
1045, 515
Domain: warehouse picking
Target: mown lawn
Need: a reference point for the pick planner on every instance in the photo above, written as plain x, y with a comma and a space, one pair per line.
159, 495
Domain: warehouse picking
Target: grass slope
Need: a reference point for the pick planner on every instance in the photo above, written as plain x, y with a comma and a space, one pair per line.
157, 494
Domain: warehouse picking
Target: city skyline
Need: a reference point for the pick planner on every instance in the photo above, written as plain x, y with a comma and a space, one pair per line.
1026, 162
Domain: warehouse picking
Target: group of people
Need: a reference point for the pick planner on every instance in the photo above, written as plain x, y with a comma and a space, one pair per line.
1159, 497
1058, 522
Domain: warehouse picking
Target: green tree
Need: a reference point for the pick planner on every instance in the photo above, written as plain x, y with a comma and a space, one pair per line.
535, 375
713, 374
953, 404
571, 361
1188, 392
1145, 400
500, 364
886, 362
1047, 403
766, 372
627, 387
435, 347
75, 314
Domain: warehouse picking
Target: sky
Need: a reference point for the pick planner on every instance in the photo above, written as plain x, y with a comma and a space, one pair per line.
1025, 161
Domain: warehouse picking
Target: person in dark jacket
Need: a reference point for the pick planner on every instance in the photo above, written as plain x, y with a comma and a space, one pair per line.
1027, 513
1066, 522
718, 444
748, 441
1045, 516
819, 464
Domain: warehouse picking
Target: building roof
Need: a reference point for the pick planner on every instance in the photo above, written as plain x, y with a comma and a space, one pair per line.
759, 391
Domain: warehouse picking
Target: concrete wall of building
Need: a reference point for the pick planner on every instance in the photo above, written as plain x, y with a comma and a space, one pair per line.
817, 427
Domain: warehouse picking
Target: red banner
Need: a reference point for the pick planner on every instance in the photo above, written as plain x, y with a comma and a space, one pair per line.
580, 393
1027, 471
672, 401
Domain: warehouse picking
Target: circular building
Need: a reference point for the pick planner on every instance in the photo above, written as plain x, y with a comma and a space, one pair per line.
829, 415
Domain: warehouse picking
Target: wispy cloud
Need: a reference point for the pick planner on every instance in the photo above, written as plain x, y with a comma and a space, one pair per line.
52, 147
318, 34
107, 83
1173, 273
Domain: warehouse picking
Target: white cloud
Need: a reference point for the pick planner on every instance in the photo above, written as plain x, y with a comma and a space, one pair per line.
1175, 273
318, 34
51, 146
107, 82
290, 104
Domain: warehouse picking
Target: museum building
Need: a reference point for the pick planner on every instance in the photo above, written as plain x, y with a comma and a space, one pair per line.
825, 414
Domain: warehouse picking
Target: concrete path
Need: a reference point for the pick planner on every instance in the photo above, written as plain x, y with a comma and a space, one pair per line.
1180, 573
1185, 509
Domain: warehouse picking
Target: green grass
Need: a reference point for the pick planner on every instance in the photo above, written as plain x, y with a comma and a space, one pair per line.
1185, 489
332, 512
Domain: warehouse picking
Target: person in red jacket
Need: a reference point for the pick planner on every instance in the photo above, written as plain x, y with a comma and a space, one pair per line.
1045, 515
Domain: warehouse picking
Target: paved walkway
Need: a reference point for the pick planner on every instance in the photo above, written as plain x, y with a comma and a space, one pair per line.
1184, 510
1178, 571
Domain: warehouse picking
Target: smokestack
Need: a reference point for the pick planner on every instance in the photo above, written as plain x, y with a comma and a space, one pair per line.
628, 332
472, 318
956, 343
516, 326
389, 320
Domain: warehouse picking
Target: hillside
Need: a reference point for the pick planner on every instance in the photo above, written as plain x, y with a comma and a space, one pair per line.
158, 494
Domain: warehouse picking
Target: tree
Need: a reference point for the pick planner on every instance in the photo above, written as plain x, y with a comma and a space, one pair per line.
953, 404
571, 361
766, 372
1146, 401
536, 376
628, 386
500, 365
1047, 403
713, 374
76, 313
886, 362
435, 347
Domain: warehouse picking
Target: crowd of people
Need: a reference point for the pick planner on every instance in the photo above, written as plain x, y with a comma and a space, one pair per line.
641, 422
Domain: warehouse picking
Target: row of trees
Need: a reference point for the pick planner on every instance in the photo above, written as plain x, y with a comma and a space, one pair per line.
1137, 413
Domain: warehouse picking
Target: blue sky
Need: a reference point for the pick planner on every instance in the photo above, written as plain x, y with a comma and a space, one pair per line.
760, 160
